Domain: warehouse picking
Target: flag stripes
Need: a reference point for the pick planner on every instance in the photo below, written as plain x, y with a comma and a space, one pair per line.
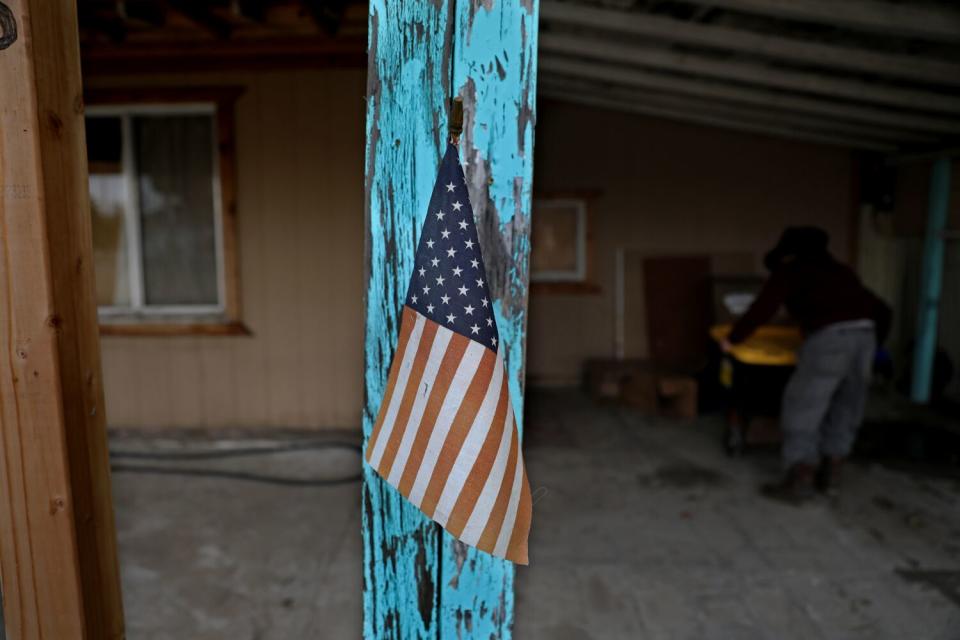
433, 368
446, 437
410, 392
403, 378
431, 415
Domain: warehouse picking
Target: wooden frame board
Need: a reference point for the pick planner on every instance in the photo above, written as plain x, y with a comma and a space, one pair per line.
224, 98
57, 540
419, 582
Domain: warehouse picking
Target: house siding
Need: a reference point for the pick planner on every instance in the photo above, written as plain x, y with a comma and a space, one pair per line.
300, 144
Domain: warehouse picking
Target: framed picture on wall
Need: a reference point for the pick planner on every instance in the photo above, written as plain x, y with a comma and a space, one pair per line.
560, 253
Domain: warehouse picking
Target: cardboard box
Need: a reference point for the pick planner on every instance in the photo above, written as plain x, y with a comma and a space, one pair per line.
639, 391
604, 377
677, 396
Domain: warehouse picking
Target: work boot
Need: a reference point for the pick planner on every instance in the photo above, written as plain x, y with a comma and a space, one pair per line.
796, 486
828, 476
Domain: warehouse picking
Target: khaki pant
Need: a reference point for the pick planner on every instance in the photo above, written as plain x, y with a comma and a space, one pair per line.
824, 400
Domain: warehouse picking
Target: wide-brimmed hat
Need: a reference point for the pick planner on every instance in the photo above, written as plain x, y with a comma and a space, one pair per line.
798, 242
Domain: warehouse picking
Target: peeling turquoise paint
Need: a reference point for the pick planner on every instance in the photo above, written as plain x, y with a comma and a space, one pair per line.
495, 74
418, 581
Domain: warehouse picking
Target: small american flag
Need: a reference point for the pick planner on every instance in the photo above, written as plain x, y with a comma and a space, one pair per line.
446, 436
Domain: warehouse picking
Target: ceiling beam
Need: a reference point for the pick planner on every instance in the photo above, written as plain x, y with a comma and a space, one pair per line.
301, 52
910, 157
724, 91
108, 23
744, 114
916, 68
145, 13
718, 121
328, 14
748, 73
198, 13
928, 22
252, 10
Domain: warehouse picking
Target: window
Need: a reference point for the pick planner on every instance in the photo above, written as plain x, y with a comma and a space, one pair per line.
560, 245
162, 244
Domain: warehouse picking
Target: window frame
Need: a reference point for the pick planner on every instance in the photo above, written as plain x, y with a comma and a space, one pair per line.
579, 273
222, 318
581, 280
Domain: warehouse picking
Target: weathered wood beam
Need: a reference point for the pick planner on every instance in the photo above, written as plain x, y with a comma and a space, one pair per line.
198, 13
110, 24
495, 71
418, 582
828, 56
328, 14
561, 87
217, 55
912, 20
950, 150
720, 122
57, 542
931, 282
749, 73
722, 91
146, 13
253, 10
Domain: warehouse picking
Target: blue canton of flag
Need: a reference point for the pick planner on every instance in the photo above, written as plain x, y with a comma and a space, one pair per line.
449, 283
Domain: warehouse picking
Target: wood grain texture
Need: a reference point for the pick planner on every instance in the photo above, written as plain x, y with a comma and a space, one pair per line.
418, 581
495, 65
407, 91
57, 539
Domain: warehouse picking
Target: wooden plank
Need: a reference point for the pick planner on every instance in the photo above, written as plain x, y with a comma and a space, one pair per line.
224, 55
407, 92
677, 301
750, 73
917, 68
419, 582
931, 282
281, 266
254, 214
727, 91
926, 21
57, 540
495, 67
199, 14
733, 124
744, 114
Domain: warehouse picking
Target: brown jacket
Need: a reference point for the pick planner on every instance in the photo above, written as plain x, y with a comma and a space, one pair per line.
817, 291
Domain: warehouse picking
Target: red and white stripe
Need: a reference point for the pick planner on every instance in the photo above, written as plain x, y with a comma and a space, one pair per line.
446, 438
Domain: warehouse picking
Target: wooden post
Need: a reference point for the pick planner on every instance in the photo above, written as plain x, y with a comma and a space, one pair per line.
418, 581
931, 282
57, 541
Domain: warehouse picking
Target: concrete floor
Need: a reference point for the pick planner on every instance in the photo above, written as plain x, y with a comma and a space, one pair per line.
642, 529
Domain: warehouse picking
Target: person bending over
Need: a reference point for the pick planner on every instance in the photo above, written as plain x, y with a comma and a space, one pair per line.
842, 322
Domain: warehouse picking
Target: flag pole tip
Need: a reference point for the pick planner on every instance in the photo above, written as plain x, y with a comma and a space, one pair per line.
456, 120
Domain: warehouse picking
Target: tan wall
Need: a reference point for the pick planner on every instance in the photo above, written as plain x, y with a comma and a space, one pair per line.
669, 188
300, 145
665, 189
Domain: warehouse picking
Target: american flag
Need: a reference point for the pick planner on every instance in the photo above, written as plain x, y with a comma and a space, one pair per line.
446, 436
